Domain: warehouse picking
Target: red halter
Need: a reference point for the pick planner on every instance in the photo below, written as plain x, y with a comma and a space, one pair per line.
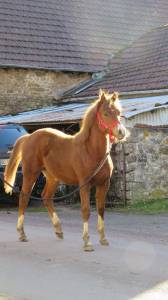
103, 126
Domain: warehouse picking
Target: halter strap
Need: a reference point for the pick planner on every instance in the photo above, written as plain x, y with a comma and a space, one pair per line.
103, 126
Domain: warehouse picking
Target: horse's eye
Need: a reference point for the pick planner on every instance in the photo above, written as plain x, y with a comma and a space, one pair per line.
106, 114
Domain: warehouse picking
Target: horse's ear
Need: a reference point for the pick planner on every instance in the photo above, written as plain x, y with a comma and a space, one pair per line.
102, 96
114, 96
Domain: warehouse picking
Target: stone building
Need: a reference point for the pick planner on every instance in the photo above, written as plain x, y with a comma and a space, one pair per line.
146, 163
25, 89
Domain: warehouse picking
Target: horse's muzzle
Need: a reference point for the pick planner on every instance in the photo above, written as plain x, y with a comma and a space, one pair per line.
121, 132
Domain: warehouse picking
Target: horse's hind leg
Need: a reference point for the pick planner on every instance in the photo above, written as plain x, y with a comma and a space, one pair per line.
28, 182
23, 202
101, 191
47, 195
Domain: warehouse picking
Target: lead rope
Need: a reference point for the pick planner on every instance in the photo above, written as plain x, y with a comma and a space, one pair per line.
100, 165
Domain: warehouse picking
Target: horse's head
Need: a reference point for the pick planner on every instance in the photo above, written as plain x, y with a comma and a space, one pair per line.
109, 116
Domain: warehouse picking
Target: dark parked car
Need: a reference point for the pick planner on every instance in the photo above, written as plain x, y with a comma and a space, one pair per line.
9, 133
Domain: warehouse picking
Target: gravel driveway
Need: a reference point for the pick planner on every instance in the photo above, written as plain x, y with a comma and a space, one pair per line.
134, 266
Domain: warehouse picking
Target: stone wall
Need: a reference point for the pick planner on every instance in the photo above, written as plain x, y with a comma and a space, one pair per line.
146, 154
25, 89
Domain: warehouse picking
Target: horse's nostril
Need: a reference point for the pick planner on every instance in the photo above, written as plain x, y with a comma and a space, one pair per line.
121, 132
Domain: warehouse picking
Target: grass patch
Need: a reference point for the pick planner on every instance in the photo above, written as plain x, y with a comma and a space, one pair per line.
158, 206
29, 209
36, 209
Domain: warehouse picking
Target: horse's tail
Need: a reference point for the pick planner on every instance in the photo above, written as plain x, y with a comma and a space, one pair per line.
14, 160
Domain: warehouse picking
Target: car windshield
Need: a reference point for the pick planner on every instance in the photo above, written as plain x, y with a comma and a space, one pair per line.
8, 136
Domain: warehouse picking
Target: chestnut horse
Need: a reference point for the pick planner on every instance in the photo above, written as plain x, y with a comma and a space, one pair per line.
70, 159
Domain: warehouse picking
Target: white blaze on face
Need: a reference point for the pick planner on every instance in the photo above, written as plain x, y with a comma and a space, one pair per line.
119, 131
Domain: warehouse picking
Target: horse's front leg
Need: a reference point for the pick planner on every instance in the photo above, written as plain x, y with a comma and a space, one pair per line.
85, 207
101, 191
47, 195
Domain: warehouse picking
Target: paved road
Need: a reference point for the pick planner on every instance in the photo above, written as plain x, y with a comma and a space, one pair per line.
134, 266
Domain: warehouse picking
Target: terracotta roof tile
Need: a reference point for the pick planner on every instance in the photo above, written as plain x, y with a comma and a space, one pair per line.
73, 35
143, 66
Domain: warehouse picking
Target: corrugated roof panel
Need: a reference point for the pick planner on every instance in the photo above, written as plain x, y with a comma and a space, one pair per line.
136, 106
148, 110
63, 113
159, 117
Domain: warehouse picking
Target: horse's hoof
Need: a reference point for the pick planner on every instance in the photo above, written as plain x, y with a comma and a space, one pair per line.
23, 239
104, 242
88, 248
60, 235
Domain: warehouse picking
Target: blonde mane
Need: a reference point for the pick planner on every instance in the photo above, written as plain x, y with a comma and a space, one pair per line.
87, 123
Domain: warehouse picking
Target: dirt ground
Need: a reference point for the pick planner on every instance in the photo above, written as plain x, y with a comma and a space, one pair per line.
134, 266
